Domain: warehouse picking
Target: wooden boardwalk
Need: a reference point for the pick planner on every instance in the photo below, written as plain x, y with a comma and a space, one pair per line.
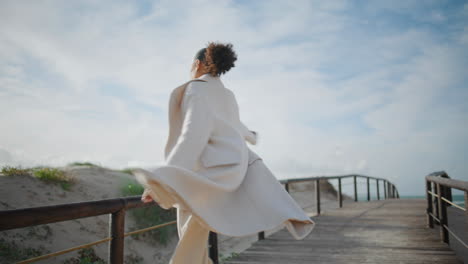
385, 231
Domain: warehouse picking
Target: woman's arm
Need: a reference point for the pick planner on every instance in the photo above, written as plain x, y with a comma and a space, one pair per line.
249, 135
196, 129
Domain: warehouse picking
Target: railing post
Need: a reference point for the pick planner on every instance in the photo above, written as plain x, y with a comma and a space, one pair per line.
436, 200
430, 221
466, 206
340, 195
355, 189
261, 235
443, 214
385, 189
317, 195
378, 190
368, 188
393, 191
213, 247
117, 230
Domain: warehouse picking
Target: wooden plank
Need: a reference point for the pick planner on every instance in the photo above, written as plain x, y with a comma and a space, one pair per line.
380, 231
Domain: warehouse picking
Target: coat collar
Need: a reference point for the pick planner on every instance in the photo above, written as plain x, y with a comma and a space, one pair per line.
208, 77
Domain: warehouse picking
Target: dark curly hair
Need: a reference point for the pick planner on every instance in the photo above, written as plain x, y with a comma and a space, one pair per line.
218, 58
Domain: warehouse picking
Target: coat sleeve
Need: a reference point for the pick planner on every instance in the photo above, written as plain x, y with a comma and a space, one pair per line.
195, 131
248, 135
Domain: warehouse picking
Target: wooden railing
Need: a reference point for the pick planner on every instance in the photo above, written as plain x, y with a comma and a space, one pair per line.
116, 208
439, 191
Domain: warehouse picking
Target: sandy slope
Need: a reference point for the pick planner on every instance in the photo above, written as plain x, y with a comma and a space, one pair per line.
95, 183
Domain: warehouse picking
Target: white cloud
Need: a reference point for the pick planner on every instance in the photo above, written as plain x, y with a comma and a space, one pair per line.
327, 93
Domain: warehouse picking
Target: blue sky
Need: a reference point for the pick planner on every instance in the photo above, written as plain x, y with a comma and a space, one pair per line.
332, 87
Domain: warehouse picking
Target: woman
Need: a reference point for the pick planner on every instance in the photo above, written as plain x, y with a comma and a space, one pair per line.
216, 182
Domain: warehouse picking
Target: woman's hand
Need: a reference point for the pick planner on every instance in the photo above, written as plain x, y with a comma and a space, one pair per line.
146, 197
255, 141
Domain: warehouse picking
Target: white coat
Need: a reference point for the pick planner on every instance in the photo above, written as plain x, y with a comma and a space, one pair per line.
212, 172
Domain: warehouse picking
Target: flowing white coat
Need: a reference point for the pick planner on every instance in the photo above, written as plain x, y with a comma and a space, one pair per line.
212, 172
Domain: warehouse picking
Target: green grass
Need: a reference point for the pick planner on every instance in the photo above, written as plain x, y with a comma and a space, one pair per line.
131, 188
85, 256
15, 171
127, 170
11, 252
85, 163
149, 216
46, 174
223, 258
53, 175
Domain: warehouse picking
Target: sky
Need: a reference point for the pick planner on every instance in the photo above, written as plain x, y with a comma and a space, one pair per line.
331, 87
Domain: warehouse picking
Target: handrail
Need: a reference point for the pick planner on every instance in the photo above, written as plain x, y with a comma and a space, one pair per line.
330, 178
24, 217
17, 218
452, 183
438, 189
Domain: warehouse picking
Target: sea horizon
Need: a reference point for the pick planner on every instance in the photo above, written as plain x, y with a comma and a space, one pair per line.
458, 199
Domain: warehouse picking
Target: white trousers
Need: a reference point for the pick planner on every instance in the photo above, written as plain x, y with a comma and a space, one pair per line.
192, 247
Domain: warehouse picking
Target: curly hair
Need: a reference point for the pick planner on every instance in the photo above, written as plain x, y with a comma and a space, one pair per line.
218, 58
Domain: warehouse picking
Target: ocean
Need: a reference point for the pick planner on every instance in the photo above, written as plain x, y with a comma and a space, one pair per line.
458, 199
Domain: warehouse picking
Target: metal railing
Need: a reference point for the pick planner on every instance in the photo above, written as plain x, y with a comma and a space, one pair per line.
116, 208
439, 191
